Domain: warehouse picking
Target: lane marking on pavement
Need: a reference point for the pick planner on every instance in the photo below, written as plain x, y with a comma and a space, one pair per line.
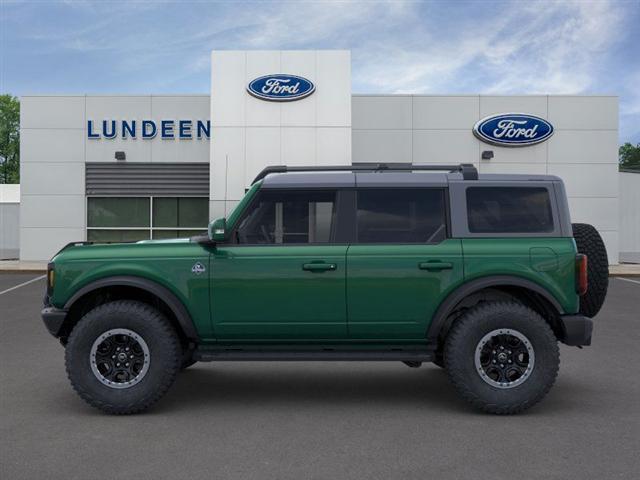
22, 284
628, 280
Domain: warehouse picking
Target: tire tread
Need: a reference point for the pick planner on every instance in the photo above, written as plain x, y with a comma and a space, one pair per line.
453, 350
589, 242
167, 333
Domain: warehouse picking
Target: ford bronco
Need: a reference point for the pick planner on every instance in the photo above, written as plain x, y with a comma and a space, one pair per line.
481, 275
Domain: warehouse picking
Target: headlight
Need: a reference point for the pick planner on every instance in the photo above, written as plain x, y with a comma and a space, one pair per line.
51, 278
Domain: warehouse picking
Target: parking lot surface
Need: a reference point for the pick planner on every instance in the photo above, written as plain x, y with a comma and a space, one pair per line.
319, 420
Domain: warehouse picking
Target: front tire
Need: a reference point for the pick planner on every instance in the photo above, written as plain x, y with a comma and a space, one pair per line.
502, 357
122, 357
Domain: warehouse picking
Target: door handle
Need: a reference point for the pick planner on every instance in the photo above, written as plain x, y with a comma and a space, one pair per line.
435, 266
319, 267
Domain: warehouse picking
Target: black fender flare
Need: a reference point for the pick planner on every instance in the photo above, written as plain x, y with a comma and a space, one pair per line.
167, 296
466, 289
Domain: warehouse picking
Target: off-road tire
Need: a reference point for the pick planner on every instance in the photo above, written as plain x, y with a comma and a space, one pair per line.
589, 242
463, 339
164, 363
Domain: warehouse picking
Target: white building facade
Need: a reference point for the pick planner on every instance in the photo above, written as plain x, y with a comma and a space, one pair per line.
127, 167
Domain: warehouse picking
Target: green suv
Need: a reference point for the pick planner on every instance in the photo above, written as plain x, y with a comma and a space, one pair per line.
481, 275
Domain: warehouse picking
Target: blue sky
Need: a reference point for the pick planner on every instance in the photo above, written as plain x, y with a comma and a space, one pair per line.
136, 46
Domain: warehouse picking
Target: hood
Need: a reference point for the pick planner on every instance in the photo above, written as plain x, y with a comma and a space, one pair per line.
93, 250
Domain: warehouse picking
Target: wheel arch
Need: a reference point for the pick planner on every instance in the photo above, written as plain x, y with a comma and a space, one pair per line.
542, 301
129, 286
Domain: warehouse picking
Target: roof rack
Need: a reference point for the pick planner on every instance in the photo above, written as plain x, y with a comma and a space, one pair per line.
468, 170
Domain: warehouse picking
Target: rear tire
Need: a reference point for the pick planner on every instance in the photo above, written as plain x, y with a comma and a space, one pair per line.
122, 357
502, 357
589, 242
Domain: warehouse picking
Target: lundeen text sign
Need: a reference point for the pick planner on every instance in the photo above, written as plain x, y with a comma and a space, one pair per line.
148, 129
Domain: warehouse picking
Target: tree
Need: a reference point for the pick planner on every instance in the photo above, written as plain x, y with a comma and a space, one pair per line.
9, 139
629, 156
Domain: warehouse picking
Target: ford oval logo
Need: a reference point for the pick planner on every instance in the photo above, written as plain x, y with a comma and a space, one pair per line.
513, 129
281, 87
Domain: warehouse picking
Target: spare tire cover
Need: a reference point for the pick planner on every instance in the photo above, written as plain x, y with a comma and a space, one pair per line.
589, 242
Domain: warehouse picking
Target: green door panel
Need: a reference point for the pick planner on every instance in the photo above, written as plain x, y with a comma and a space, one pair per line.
285, 293
549, 262
393, 290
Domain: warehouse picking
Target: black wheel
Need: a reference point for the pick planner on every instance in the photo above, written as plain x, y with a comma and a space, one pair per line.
122, 357
589, 242
502, 357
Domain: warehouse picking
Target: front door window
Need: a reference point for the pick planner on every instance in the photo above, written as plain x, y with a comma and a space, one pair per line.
288, 218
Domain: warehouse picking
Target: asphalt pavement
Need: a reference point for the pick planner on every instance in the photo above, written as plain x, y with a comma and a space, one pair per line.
319, 420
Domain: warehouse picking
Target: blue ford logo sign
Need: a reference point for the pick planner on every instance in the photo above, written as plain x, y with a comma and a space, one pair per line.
513, 129
281, 87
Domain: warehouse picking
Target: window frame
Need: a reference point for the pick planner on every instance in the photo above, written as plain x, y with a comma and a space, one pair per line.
150, 229
459, 213
445, 203
232, 238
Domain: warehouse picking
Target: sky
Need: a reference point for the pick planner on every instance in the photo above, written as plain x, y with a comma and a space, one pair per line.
436, 47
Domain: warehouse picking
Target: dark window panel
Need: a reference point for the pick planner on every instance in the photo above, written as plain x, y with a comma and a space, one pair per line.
117, 236
166, 234
185, 212
390, 215
118, 212
509, 210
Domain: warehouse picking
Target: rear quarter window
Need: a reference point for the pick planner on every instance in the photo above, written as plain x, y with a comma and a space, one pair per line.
509, 210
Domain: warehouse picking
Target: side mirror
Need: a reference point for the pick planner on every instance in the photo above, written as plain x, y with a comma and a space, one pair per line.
218, 230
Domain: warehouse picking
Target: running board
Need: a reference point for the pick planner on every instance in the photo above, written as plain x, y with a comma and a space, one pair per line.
211, 355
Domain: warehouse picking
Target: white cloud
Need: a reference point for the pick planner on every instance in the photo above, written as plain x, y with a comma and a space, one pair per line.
397, 46
522, 49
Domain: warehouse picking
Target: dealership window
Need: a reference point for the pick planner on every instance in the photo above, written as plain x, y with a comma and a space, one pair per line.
401, 215
289, 217
509, 210
129, 219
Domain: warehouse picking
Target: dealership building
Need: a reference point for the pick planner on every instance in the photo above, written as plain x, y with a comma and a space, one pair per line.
130, 167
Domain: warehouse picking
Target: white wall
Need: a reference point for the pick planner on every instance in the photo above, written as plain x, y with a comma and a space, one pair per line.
438, 129
54, 148
9, 221
630, 217
248, 133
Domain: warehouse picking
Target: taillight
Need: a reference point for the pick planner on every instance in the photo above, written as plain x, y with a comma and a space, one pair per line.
582, 280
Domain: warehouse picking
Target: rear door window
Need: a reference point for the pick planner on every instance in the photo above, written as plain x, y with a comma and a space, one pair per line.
509, 210
402, 215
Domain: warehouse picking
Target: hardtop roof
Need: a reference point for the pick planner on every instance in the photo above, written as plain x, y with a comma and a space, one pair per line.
387, 179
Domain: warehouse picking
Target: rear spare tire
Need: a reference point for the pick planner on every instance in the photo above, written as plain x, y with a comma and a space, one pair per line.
589, 242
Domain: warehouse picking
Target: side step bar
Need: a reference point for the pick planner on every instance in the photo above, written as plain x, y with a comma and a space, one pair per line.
234, 355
